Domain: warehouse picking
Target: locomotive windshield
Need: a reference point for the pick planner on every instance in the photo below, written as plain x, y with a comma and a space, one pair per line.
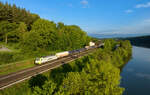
37, 59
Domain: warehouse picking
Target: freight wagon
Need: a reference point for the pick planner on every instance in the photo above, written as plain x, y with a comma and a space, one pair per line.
62, 54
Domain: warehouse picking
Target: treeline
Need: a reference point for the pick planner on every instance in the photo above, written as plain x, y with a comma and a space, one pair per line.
31, 35
50, 36
12, 13
143, 41
95, 74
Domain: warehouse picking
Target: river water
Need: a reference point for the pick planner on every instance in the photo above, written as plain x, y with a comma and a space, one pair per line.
136, 74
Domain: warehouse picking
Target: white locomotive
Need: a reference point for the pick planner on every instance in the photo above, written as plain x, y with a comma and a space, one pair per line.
45, 59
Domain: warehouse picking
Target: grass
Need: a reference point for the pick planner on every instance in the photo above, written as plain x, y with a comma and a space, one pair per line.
13, 67
12, 61
13, 47
16, 60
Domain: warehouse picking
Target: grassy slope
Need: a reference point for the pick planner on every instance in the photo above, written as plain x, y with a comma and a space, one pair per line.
9, 67
19, 62
13, 67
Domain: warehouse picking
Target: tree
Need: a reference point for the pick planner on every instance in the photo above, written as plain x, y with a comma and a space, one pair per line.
6, 29
22, 28
31, 42
47, 89
12, 13
97, 78
104, 78
46, 31
71, 84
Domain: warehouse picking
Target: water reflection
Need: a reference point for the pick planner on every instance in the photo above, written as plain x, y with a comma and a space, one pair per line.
142, 75
129, 70
136, 74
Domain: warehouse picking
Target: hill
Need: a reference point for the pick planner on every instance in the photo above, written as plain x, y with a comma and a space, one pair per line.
143, 41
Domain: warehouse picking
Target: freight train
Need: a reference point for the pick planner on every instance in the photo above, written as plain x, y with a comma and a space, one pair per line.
66, 53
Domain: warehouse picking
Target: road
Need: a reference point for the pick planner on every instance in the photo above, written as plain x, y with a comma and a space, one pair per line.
14, 78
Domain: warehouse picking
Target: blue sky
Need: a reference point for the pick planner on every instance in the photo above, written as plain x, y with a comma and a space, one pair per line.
94, 16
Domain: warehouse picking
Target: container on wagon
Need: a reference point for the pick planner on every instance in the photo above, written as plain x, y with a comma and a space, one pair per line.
62, 54
87, 47
82, 49
91, 44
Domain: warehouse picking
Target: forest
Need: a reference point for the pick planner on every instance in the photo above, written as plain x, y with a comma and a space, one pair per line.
95, 74
142, 41
31, 36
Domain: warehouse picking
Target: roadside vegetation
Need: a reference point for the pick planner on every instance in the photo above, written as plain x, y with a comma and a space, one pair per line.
95, 74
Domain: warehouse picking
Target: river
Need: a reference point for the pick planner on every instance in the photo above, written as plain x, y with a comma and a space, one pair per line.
136, 74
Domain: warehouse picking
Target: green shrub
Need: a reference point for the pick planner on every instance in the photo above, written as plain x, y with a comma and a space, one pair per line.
8, 57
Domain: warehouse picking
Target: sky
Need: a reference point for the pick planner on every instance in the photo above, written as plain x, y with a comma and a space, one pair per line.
94, 16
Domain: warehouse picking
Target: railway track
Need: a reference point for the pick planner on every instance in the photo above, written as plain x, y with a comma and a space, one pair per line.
14, 78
